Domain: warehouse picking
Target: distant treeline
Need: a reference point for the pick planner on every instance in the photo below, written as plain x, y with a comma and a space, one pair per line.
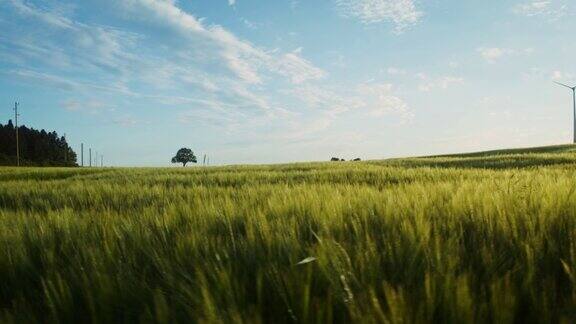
37, 147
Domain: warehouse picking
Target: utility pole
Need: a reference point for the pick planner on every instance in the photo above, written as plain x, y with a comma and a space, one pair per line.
101, 161
204, 162
90, 156
82, 154
17, 141
65, 151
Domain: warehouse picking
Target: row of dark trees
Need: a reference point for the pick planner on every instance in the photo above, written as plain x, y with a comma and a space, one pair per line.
335, 159
37, 147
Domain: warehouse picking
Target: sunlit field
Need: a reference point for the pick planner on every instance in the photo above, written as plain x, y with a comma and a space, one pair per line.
479, 238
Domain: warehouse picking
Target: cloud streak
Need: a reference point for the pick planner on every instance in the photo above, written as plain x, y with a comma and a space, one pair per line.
245, 60
401, 13
493, 54
195, 71
541, 8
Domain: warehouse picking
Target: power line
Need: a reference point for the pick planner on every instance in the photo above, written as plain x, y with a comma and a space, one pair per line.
65, 151
17, 141
16, 115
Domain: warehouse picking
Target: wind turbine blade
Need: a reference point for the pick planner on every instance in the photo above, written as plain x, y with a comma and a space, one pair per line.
564, 85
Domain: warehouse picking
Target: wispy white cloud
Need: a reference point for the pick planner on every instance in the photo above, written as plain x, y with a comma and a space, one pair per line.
86, 46
296, 68
43, 79
374, 99
538, 73
444, 82
250, 24
331, 101
401, 13
247, 61
51, 18
204, 71
493, 54
380, 100
117, 59
126, 121
90, 106
557, 75
63, 83
532, 8
541, 8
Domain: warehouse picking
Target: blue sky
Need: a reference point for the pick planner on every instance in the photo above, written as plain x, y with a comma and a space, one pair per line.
254, 81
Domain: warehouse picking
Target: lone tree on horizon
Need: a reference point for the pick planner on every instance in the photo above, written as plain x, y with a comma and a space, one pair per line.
184, 155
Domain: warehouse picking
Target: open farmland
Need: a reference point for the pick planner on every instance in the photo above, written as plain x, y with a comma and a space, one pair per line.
488, 237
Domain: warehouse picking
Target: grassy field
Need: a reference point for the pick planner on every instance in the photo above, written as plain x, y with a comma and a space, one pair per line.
485, 237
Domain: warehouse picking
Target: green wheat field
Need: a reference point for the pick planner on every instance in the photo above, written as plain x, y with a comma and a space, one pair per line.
472, 238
